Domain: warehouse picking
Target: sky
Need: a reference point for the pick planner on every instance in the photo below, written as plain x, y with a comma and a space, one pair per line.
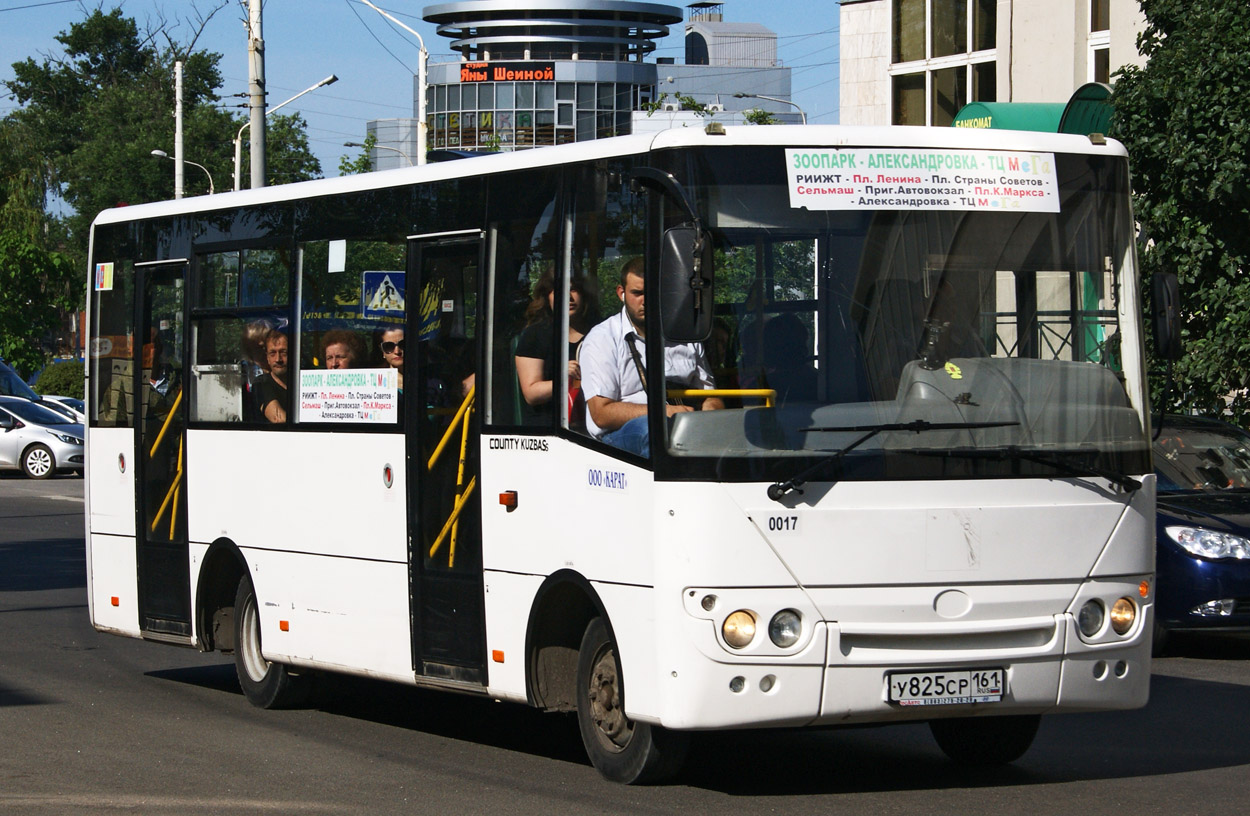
375, 60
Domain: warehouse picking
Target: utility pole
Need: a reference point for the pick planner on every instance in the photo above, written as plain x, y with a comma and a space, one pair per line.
178, 178
256, 88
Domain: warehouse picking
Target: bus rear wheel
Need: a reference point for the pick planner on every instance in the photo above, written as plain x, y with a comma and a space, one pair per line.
264, 684
620, 749
986, 740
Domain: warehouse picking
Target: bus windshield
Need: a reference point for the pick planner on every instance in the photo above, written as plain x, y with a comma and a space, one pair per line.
1001, 325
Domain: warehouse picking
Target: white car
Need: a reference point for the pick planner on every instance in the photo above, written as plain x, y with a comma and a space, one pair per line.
38, 440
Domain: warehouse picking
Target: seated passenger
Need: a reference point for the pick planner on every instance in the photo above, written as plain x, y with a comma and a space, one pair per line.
535, 364
788, 365
273, 388
391, 343
614, 370
342, 349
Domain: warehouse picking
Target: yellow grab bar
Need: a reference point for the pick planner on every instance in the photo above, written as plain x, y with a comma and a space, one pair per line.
168, 418
452, 427
769, 395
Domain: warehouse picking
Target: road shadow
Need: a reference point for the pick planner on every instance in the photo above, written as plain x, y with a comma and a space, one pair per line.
1189, 725
47, 563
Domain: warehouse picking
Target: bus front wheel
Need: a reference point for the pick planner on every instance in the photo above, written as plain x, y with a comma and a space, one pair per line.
986, 740
620, 749
264, 684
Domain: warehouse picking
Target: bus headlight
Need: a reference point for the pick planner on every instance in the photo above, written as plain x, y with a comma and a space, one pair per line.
739, 629
785, 627
1123, 613
1089, 619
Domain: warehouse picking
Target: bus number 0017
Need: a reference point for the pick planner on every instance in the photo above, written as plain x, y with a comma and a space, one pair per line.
783, 524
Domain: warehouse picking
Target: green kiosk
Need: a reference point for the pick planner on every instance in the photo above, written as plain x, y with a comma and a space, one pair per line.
1088, 111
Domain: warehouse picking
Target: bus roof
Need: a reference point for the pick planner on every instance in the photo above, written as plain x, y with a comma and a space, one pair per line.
745, 135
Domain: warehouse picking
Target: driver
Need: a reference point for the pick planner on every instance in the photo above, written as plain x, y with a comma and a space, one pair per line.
613, 362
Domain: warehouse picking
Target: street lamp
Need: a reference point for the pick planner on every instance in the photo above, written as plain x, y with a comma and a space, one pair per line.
380, 147
773, 99
422, 82
162, 154
238, 138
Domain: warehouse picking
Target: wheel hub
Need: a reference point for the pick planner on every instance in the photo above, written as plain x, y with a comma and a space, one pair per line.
605, 703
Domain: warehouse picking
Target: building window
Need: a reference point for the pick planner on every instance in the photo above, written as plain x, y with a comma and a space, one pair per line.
1099, 68
943, 58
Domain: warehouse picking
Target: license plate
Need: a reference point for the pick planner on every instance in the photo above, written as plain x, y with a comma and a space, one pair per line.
947, 687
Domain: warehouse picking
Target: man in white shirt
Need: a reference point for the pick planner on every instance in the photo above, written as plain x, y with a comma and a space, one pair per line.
613, 363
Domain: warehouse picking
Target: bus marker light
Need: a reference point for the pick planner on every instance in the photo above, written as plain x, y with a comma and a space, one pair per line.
285, 626
497, 655
1143, 589
508, 499
115, 601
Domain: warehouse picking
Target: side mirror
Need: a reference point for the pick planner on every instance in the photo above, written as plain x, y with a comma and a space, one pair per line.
1165, 309
686, 284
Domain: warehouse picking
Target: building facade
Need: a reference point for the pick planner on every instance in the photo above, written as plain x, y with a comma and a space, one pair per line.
533, 73
917, 62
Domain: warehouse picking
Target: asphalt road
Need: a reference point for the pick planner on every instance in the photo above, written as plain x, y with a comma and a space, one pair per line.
93, 723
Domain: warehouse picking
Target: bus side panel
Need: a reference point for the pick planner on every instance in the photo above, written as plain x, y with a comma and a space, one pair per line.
113, 577
576, 509
306, 492
509, 599
345, 614
111, 481
631, 610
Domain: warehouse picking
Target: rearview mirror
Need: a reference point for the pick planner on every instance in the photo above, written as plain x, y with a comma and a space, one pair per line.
1166, 308
686, 284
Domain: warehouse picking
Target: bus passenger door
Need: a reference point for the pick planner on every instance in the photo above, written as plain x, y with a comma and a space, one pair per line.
161, 409
444, 508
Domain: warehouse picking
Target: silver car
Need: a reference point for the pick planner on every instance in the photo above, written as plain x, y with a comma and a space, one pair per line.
37, 439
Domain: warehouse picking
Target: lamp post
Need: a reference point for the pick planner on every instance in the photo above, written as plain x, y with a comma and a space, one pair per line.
773, 99
238, 137
422, 83
162, 154
381, 147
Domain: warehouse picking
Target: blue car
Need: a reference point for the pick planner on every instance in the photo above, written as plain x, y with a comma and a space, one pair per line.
1203, 527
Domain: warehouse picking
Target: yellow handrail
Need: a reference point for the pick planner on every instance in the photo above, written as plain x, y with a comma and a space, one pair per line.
452, 427
451, 521
168, 418
769, 395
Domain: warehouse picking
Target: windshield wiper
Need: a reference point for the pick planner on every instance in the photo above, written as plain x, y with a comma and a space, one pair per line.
779, 489
1013, 452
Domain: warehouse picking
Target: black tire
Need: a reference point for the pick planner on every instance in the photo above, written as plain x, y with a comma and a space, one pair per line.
264, 684
38, 462
986, 740
621, 750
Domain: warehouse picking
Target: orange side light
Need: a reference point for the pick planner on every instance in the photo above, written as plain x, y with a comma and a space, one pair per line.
115, 601
1143, 589
285, 626
497, 655
508, 499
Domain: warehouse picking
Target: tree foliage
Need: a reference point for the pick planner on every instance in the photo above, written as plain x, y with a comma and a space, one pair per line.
100, 108
82, 140
1185, 118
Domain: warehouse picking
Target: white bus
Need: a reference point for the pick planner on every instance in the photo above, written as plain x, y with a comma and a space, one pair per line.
927, 496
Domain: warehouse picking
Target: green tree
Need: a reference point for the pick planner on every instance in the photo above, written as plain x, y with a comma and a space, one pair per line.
1185, 118
758, 116
362, 163
36, 283
101, 107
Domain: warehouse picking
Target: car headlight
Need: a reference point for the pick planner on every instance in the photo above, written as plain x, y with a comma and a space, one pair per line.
66, 438
1209, 543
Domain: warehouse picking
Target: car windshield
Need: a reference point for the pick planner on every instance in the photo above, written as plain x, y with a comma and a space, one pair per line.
1209, 457
1000, 327
35, 413
11, 385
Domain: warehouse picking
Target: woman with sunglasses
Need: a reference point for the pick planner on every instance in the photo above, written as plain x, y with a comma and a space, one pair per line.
391, 342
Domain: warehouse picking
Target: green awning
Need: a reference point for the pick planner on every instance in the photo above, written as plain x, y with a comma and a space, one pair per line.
1088, 111
1040, 116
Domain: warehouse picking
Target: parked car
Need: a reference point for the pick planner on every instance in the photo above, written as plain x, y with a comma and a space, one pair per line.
11, 385
38, 440
77, 408
1202, 527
